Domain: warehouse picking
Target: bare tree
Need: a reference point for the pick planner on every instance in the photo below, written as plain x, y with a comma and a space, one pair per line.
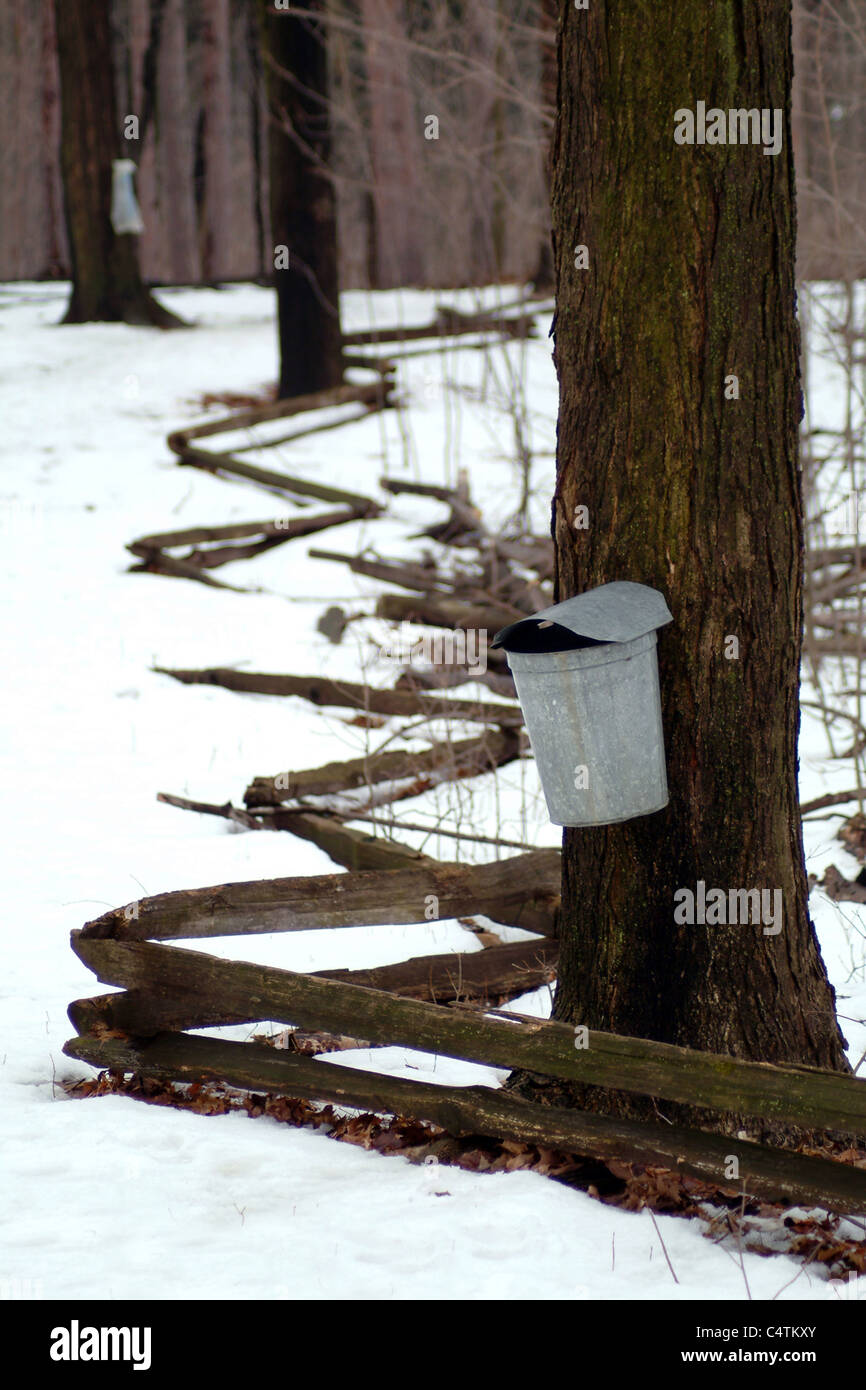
687, 287
302, 201
216, 229
174, 148
394, 138
106, 282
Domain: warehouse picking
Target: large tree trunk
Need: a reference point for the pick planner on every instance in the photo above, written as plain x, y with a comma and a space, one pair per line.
106, 283
690, 279
302, 202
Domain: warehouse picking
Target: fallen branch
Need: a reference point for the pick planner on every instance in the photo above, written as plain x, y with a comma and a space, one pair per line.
170, 565
500, 681
464, 524
280, 482
352, 848
441, 830
832, 799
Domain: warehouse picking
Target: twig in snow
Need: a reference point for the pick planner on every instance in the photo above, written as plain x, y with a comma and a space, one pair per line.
664, 1247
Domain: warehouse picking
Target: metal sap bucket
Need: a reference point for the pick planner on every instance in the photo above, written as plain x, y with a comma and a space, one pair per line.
125, 212
587, 680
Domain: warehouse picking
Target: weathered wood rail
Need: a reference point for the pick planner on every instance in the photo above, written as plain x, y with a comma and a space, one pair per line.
168, 989
766, 1172
519, 892
320, 690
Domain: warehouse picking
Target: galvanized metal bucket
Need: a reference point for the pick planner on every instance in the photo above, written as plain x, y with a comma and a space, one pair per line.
587, 679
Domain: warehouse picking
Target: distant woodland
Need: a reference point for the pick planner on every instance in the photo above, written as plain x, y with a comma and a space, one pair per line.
439, 115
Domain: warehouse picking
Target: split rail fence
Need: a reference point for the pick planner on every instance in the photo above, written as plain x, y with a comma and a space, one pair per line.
166, 989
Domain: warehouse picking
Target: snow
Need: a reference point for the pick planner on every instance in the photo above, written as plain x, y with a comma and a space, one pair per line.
107, 1198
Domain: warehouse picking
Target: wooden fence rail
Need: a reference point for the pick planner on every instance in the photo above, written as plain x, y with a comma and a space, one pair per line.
166, 989
805, 1096
764, 1172
518, 892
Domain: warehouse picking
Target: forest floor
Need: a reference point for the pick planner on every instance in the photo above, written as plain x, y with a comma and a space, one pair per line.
107, 1198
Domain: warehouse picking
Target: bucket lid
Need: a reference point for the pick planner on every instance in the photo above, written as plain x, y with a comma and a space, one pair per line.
618, 612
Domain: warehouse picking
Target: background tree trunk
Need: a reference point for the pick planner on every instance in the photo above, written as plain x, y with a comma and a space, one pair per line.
216, 227
52, 221
174, 149
394, 131
691, 278
106, 283
145, 28
548, 13
302, 201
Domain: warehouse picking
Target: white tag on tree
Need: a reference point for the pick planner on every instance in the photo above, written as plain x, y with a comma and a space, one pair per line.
125, 212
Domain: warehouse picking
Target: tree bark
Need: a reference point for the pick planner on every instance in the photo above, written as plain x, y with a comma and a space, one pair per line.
302, 201
396, 240
175, 155
216, 228
544, 279
690, 278
56, 258
106, 283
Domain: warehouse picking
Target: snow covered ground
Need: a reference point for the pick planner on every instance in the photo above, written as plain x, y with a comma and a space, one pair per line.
107, 1198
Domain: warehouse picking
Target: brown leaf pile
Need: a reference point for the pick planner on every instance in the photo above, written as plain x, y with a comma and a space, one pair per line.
853, 836
765, 1228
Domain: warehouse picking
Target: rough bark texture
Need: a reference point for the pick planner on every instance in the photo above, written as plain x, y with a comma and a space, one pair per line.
690, 278
106, 283
302, 201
